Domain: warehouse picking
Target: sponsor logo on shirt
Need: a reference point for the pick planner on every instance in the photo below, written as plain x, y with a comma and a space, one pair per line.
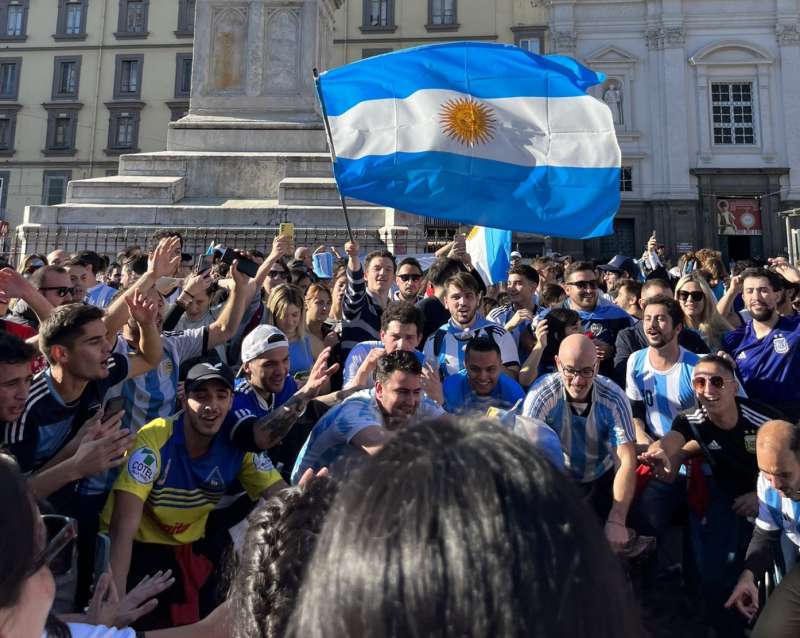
214, 480
262, 462
714, 446
742, 355
780, 344
143, 465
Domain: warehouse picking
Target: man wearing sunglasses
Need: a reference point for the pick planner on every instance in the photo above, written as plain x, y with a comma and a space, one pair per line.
408, 280
46, 289
592, 417
767, 348
723, 430
601, 319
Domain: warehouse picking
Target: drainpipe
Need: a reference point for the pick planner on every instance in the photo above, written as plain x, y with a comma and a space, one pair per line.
96, 105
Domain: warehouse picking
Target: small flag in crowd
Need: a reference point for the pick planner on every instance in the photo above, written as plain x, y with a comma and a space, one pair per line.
489, 249
479, 133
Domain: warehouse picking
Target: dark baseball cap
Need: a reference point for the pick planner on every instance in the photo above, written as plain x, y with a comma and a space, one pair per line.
620, 263
203, 371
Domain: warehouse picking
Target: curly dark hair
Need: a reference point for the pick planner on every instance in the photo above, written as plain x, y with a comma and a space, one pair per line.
278, 545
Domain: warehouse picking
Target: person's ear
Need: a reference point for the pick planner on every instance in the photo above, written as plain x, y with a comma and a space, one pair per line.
59, 353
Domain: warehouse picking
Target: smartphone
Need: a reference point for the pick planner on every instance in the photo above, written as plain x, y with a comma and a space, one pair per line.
204, 262
286, 230
113, 406
102, 555
247, 266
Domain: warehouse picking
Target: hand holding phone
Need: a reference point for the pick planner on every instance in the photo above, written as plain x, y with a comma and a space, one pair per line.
244, 265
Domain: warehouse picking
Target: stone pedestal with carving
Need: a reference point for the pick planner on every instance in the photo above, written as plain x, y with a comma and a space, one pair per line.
251, 152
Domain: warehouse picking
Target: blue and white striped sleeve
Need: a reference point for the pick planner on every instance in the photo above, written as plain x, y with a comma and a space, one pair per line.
766, 519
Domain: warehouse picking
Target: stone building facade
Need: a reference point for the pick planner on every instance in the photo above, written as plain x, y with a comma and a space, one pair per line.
707, 105
82, 82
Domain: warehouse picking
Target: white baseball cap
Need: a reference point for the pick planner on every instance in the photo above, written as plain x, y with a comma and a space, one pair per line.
261, 339
515, 254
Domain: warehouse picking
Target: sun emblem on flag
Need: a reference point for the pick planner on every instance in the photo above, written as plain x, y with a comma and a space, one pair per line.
467, 121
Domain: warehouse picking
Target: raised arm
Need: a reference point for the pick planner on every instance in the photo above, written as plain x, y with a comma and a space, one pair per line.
150, 353
125, 520
14, 285
163, 261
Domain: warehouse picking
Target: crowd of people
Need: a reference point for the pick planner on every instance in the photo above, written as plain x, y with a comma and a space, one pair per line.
304, 442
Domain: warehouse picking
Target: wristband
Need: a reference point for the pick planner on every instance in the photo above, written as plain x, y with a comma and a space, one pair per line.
610, 522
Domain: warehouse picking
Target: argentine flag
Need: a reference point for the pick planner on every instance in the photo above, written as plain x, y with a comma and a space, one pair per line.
489, 249
478, 133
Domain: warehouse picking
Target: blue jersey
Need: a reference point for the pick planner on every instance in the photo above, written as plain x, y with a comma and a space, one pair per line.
328, 445
770, 366
588, 441
666, 393
460, 397
502, 315
776, 512
246, 398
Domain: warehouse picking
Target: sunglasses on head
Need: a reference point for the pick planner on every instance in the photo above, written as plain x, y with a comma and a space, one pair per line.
62, 291
59, 550
694, 295
699, 383
410, 277
584, 285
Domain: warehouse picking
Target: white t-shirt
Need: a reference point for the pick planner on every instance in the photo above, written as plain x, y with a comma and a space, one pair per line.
80, 630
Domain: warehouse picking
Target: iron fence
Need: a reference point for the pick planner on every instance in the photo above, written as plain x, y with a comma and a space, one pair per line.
110, 241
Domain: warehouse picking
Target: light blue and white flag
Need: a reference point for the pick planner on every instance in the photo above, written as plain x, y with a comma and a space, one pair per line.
489, 249
479, 133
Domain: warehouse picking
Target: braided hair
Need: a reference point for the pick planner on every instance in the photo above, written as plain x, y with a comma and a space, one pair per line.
278, 545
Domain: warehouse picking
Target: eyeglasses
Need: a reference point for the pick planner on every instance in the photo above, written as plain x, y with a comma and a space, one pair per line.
694, 295
570, 372
62, 291
583, 285
699, 383
278, 274
61, 534
410, 277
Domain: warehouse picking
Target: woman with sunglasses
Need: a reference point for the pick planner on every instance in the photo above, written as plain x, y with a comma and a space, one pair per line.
700, 309
34, 549
723, 430
278, 274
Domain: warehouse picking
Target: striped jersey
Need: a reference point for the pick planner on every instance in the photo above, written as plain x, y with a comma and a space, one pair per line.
776, 512
150, 395
48, 422
100, 295
179, 491
666, 393
586, 440
328, 445
361, 312
460, 397
447, 345
359, 354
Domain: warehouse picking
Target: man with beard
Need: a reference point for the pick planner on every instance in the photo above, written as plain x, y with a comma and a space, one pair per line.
659, 386
408, 280
180, 469
516, 316
446, 346
766, 349
365, 421
601, 319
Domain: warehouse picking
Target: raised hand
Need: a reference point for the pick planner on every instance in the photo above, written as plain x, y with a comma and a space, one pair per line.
141, 600
14, 285
320, 374
165, 259
432, 384
141, 308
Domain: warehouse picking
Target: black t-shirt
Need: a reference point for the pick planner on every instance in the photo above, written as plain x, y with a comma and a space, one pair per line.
48, 423
733, 452
435, 314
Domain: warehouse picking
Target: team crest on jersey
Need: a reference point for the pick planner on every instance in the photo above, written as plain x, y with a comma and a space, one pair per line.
262, 462
596, 329
780, 345
143, 465
750, 443
166, 366
214, 480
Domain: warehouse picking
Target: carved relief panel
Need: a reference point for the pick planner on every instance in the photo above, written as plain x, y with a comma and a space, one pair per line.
228, 48
283, 45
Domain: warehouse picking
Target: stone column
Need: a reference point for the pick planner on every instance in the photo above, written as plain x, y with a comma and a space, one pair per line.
252, 84
788, 36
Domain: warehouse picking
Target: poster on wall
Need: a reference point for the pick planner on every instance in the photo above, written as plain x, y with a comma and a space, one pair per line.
738, 216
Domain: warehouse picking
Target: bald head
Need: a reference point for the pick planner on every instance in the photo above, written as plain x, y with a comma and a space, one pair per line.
777, 435
577, 347
577, 364
776, 449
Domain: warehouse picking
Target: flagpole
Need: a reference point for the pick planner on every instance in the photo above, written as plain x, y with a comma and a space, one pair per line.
332, 150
